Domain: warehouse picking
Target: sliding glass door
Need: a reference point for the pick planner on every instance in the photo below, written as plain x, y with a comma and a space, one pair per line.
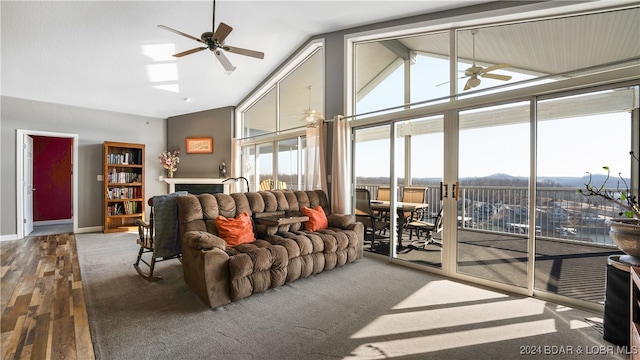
371, 165
578, 134
493, 170
503, 225
419, 163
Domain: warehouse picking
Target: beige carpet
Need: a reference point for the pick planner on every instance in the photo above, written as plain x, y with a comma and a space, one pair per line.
365, 310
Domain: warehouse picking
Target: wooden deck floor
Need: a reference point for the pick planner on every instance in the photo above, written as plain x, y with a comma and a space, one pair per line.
571, 269
44, 315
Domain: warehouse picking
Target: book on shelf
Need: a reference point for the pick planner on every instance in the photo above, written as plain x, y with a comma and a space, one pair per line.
126, 208
126, 158
115, 193
123, 177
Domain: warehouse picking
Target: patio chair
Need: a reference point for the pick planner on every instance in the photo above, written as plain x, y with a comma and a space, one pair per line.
428, 228
160, 236
372, 225
414, 195
270, 184
383, 194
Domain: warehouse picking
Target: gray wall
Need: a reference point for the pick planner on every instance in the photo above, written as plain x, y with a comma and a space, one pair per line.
93, 127
217, 124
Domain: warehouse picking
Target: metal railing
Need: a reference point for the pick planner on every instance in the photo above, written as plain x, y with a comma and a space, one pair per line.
560, 213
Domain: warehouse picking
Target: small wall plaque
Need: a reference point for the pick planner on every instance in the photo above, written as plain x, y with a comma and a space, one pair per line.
199, 145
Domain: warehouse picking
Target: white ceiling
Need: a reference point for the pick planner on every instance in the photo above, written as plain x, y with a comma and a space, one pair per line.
92, 53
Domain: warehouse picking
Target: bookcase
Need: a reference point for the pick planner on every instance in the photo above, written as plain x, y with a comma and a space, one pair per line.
123, 185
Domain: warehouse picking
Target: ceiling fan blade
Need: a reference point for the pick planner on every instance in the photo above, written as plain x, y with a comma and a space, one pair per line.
181, 33
241, 51
497, 77
446, 82
226, 64
467, 86
222, 32
195, 50
494, 67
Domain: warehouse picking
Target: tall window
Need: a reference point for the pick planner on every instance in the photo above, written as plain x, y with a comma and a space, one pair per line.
393, 72
271, 123
396, 71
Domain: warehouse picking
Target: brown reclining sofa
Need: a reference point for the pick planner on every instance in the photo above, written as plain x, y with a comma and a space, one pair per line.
219, 273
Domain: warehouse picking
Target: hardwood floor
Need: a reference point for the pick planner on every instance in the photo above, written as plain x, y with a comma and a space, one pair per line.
42, 306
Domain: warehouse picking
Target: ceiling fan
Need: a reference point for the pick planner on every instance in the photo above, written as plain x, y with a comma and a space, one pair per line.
475, 72
214, 41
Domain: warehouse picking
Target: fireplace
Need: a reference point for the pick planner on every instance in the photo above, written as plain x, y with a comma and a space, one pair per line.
198, 186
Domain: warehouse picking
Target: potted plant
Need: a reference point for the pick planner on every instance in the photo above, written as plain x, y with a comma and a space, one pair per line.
169, 161
624, 231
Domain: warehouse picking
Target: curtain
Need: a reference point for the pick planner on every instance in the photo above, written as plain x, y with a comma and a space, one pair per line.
340, 185
233, 169
315, 173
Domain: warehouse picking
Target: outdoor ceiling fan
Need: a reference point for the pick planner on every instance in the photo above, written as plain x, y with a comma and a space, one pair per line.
214, 41
475, 72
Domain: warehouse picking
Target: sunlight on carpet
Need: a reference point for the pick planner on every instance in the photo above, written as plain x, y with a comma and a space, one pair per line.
453, 339
443, 292
452, 316
445, 315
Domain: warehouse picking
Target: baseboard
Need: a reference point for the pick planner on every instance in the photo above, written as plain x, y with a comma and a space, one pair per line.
8, 237
53, 222
91, 229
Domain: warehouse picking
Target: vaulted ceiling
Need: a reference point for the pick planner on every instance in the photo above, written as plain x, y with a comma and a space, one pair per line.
111, 55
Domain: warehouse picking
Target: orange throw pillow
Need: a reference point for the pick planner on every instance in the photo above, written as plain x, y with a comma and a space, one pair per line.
317, 218
235, 231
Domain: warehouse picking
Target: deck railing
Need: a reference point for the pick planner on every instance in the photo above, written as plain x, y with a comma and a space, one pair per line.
561, 213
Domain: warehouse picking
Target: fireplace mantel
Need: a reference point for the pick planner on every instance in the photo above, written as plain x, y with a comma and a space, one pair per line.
201, 183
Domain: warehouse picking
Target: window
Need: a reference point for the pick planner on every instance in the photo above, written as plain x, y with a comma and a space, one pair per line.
528, 107
272, 123
381, 68
395, 71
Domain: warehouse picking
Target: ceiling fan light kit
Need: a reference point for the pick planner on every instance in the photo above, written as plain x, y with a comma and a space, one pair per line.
473, 82
214, 41
311, 116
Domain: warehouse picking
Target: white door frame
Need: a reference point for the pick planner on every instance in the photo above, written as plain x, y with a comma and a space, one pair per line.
27, 186
19, 175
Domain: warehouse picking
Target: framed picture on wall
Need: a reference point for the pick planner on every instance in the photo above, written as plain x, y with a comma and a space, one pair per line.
199, 145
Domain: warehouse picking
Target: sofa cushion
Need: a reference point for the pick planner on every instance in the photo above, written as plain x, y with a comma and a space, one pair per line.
226, 205
341, 221
317, 218
256, 267
235, 231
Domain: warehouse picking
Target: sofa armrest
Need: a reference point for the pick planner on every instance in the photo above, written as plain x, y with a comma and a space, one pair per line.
203, 240
341, 221
206, 272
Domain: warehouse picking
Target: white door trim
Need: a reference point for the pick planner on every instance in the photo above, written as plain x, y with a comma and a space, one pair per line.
19, 175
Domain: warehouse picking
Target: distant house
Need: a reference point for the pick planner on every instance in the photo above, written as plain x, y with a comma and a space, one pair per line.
558, 214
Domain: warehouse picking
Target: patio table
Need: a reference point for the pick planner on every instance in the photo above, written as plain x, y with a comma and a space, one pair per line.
401, 208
